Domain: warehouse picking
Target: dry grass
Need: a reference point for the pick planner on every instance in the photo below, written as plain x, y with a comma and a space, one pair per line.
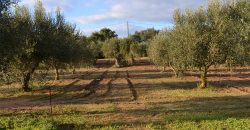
162, 101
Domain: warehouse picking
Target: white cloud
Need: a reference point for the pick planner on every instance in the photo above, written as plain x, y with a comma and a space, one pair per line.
140, 10
90, 3
49, 5
103, 12
28, 3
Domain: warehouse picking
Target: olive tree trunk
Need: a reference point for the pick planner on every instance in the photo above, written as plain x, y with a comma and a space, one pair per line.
203, 83
57, 76
26, 80
177, 73
117, 64
163, 69
74, 71
132, 60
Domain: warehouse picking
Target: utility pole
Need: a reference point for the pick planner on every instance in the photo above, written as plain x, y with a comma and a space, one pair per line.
128, 28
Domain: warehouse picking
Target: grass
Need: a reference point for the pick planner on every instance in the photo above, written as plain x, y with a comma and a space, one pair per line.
163, 103
226, 124
26, 123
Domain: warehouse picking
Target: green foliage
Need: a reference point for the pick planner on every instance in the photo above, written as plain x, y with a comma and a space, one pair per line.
144, 35
240, 16
141, 40
39, 39
167, 50
7, 43
139, 49
66, 46
216, 37
97, 38
120, 50
159, 49
209, 36
5, 5
103, 35
111, 49
107, 33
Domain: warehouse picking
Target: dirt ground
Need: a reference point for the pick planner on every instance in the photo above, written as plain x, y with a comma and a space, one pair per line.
133, 95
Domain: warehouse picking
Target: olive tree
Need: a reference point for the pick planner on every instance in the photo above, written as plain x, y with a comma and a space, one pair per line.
120, 50
38, 40
172, 48
66, 48
206, 37
213, 37
25, 60
127, 51
81, 55
182, 39
8, 46
239, 13
97, 39
111, 49
158, 50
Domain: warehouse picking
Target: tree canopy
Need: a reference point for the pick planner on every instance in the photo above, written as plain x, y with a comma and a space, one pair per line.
209, 36
36, 40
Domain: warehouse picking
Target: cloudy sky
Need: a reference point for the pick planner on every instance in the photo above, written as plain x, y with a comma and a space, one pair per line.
92, 15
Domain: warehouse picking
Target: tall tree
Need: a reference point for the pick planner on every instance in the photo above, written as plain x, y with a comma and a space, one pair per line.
39, 39
144, 35
6, 38
25, 60
107, 33
158, 50
96, 40
111, 49
213, 33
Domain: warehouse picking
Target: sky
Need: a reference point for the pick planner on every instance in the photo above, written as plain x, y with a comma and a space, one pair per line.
92, 15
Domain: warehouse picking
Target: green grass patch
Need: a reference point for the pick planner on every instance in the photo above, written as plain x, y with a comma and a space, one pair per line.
226, 124
26, 123
205, 121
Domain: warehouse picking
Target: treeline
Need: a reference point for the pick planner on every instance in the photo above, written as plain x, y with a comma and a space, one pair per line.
40, 41
216, 35
106, 44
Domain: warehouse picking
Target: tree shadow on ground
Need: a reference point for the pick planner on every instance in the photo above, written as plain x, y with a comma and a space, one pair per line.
65, 97
194, 110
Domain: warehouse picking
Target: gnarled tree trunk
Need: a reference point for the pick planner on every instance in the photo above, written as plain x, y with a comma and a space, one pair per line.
117, 63
163, 69
57, 76
132, 60
177, 73
203, 83
26, 80
74, 71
